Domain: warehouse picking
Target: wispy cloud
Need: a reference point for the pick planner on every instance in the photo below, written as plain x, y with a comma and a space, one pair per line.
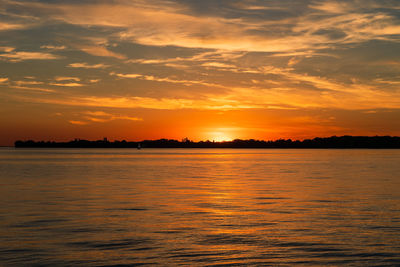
164, 79
66, 81
101, 52
71, 84
17, 56
54, 47
6, 49
78, 122
334, 7
218, 65
88, 117
101, 116
394, 82
85, 65
61, 78
5, 26
129, 75
32, 89
212, 56
22, 83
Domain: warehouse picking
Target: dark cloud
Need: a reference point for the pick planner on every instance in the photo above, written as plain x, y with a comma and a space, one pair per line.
331, 34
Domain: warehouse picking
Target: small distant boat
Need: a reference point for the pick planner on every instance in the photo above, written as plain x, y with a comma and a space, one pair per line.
138, 146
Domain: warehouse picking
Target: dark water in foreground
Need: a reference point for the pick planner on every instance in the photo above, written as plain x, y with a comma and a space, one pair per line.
199, 207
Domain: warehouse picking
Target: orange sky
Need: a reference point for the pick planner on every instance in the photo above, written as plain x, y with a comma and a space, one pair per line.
199, 69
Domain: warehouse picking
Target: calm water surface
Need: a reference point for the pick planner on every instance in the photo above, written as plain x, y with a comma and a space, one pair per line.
199, 207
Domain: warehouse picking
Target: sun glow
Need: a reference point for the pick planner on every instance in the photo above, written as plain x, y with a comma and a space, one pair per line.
220, 136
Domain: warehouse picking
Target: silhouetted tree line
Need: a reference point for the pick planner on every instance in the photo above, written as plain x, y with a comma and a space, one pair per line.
327, 142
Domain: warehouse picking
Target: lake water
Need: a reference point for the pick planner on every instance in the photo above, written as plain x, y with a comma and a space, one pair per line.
199, 207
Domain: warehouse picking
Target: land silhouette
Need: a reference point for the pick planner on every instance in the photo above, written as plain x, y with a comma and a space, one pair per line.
318, 142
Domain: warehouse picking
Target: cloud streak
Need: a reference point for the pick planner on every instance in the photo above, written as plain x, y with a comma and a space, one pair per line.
3, 80
166, 79
85, 65
17, 56
5, 26
101, 116
101, 52
70, 84
54, 47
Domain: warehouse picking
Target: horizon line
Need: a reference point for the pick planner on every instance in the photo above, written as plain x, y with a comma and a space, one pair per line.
186, 139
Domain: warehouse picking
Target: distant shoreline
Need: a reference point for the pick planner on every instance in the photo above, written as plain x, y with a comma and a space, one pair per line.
341, 142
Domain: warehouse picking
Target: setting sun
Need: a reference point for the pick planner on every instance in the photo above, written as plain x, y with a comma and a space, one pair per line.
219, 136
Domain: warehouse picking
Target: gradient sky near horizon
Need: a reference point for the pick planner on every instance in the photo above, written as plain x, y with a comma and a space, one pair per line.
149, 69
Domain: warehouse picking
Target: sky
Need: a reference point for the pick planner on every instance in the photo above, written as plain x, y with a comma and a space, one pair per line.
206, 70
